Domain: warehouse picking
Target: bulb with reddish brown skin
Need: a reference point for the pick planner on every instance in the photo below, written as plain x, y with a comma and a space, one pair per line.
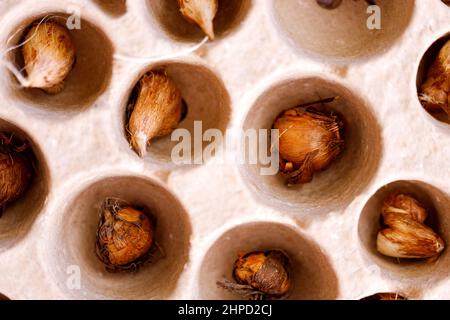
15, 176
309, 141
261, 275
125, 235
16, 169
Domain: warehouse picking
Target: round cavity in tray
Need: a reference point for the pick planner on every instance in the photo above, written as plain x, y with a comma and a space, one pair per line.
85, 83
346, 177
113, 7
166, 13
74, 238
207, 102
427, 60
342, 32
19, 215
313, 275
437, 204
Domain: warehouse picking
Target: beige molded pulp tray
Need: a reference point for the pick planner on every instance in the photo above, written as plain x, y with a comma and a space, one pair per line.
269, 55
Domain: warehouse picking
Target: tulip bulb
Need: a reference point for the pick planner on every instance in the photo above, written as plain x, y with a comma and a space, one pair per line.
402, 203
157, 111
261, 275
309, 141
406, 238
404, 233
200, 12
49, 56
435, 92
16, 169
124, 236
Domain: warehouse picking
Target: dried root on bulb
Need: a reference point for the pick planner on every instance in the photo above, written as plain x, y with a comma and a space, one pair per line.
49, 56
309, 141
157, 111
200, 12
261, 275
404, 234
16, 168
435, 91
125, 236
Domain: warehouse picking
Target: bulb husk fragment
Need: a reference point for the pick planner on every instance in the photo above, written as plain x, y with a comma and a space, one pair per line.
49, 56
200, 12
156, 112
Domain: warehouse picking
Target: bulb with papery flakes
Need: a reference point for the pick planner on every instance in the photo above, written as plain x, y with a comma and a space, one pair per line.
261, 275
435, 91
125, 236
404, 233
309, 141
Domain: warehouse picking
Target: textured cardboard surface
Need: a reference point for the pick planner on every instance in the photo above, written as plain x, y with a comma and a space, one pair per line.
218, 207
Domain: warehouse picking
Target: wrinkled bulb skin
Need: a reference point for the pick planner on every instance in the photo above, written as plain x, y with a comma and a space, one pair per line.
384, 296
155, 112
404, 233
16, 168
261, 275
125, 236
49, 56
309, 141
201, 13
435, 91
